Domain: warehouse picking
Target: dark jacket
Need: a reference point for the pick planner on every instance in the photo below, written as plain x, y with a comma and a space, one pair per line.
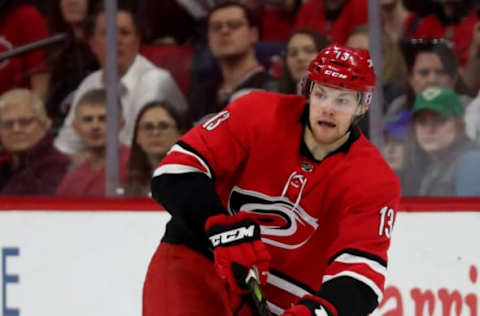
455, 174
39, 173
204, 98
69, 65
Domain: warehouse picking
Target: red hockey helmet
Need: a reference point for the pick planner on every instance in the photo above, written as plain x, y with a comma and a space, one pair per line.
342, 67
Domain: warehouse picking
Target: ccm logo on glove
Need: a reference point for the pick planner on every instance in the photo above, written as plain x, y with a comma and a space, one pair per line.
237, 247
232, 235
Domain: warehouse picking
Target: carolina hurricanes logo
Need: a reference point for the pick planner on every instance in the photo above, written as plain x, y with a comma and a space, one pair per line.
282, 224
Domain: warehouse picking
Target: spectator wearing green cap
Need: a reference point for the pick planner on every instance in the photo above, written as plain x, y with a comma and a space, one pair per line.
444, 161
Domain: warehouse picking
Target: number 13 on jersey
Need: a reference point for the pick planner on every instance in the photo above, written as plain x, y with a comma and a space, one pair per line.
387, 218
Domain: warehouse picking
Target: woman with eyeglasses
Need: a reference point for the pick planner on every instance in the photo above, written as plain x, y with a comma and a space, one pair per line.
157, 128
444, 162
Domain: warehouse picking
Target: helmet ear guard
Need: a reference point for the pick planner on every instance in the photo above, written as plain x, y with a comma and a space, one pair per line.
366, 99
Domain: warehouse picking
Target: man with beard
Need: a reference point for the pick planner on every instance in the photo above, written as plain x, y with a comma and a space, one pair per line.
294, 194
232, 31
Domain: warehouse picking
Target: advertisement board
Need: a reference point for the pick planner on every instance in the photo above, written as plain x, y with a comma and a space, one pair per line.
433, 265
76, 263
90, 262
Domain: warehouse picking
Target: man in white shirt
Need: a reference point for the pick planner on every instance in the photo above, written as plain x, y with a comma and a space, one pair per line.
140, 80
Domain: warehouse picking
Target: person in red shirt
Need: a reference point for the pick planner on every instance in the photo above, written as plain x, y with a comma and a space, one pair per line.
88, 178
333, 18
277, 17
20, 25
29, 164
284, 185
453, 19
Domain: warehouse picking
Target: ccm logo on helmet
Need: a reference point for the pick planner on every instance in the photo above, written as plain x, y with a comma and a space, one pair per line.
232, 235
335, 74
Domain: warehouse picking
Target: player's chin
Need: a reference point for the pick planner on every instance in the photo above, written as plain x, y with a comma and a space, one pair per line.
324, 139
326, 135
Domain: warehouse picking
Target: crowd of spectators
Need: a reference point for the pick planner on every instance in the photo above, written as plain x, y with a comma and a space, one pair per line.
53, 98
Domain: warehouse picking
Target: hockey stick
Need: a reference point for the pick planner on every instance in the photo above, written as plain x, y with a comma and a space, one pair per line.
261, 308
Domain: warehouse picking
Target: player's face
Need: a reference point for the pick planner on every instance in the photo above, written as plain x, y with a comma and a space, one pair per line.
157, 132
20, 129
434, 132
427, 71
332, 112
301, 50
91, 125
128, 40
229, 34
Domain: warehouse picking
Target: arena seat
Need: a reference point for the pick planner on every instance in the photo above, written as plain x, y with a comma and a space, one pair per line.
175, 58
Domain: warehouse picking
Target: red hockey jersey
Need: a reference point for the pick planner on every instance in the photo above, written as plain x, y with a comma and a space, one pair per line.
321, 220
430, 26
312, 15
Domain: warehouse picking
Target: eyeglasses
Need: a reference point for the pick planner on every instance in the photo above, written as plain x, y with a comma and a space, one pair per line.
23, 122
232, 25
149, 127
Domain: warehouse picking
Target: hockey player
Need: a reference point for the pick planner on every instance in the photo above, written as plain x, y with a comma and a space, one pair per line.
286, 184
